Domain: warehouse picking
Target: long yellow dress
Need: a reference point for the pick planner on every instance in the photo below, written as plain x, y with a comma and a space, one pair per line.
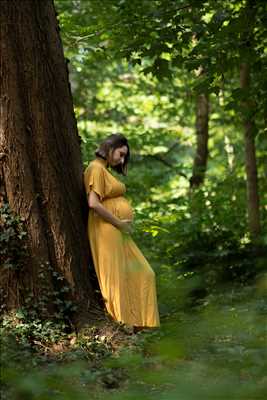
126, 280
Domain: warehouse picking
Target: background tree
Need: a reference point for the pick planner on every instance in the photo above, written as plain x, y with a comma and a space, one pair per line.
249, 106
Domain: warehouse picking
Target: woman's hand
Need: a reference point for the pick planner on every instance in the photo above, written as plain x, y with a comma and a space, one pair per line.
125, 225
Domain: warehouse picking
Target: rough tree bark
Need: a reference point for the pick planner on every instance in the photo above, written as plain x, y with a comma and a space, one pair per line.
41, 166
202, 135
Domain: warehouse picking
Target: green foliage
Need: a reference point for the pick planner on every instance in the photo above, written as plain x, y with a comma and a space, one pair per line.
133, 69
54, 302
12, 239
120, 53
31, 331
193, 356
163, 35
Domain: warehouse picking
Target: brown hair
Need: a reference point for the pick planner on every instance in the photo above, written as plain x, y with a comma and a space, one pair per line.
112, 142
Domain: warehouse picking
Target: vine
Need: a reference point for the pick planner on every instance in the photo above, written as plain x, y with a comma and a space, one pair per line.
13, 247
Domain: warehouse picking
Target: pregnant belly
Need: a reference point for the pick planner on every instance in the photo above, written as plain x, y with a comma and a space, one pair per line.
124, 209
120, 207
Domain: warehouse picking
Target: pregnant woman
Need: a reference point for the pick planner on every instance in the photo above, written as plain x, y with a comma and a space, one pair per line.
126, 280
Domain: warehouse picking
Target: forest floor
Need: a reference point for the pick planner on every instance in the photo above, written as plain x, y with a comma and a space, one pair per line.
216, 350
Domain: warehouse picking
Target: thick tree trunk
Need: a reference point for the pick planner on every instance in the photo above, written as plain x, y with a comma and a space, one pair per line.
202, 134
250, 156
41, 166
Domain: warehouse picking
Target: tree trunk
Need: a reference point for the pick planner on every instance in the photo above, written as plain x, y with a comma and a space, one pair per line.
41, 166
248, 107
202, 134
250, 156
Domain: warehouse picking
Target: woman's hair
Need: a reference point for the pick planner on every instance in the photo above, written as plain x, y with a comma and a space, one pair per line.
112, 142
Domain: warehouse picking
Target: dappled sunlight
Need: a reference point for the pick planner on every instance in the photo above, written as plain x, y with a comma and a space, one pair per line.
185, 82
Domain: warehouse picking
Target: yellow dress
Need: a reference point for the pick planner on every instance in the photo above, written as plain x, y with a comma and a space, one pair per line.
126, 280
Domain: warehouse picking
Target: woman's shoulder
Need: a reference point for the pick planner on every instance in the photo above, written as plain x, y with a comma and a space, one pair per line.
96, 165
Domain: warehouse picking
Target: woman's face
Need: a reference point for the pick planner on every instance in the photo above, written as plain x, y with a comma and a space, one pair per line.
117, 156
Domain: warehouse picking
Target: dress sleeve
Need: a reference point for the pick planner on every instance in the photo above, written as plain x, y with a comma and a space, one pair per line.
94, 179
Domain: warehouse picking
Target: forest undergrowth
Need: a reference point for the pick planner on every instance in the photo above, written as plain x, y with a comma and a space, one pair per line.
213, 350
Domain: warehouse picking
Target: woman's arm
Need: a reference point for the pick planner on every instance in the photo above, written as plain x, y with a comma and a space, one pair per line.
94, 202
